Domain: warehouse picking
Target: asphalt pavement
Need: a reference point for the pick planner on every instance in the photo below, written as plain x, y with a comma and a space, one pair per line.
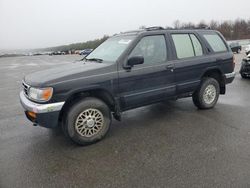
170, 144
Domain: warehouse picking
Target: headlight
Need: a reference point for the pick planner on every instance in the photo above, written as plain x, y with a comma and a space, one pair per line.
41, 95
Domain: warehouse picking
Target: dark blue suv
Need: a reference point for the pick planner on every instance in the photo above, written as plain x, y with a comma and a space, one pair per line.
129, 70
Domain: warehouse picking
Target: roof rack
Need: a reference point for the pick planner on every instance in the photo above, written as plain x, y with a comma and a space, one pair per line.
161, 28
195, 28
154, 28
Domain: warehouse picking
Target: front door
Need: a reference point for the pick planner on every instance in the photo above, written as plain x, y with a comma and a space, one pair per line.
151, 81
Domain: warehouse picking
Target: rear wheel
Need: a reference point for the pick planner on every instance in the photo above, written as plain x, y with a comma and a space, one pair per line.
206, 96
87, 121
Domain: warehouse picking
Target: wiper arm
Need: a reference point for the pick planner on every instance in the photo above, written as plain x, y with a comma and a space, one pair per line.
82, 59
95, 59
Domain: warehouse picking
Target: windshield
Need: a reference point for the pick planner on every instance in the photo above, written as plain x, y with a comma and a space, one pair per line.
111, 49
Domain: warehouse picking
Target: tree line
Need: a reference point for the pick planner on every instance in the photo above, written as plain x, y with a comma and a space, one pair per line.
92, 44
232, 30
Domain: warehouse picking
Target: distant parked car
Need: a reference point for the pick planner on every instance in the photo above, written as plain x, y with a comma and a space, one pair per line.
247, 49
86, 52
235, 47
57, 53
245, 67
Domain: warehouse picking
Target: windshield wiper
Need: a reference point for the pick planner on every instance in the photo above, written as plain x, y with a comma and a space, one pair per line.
95, 59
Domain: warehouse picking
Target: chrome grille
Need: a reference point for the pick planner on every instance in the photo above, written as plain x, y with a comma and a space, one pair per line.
25, 88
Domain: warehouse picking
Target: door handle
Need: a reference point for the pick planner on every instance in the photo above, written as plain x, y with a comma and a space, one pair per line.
170, 67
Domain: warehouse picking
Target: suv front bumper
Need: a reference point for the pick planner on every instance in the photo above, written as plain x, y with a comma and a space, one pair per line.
47, 115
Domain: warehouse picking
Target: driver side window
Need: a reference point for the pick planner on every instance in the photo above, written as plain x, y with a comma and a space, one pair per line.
152, 48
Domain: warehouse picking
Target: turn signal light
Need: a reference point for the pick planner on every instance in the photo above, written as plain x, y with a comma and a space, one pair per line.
32, 114
47, 93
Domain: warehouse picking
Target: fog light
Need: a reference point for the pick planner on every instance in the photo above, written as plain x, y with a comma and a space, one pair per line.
32, 114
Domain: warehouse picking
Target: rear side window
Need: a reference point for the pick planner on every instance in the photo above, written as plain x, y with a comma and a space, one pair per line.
215, 42
183, 45
187, 45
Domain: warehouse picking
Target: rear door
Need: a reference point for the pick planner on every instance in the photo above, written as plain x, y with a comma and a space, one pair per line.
151, 81
190, 60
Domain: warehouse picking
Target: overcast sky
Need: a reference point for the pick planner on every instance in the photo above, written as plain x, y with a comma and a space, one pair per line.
45, 23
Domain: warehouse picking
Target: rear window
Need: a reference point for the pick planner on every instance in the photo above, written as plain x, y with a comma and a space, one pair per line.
215, 42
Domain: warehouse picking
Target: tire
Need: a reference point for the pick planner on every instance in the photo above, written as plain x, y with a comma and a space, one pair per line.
243, 76
207, 95
87, 121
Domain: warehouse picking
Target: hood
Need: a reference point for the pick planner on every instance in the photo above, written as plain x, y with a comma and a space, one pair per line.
62, 73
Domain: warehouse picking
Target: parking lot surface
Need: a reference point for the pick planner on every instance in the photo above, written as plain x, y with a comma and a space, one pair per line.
170, 144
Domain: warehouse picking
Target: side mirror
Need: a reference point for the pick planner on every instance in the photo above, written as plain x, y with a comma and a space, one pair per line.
135, 60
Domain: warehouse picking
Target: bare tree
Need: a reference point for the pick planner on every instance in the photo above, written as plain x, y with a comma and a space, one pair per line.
142, 27
177, 24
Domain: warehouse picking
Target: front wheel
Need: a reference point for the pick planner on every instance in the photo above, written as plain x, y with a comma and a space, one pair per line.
207, 95
87, 121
